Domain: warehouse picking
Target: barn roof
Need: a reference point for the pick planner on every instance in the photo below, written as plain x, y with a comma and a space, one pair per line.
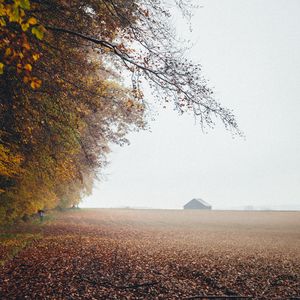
198, 201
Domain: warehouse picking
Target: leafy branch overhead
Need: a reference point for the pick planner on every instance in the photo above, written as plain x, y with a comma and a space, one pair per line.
144, 43
147, 47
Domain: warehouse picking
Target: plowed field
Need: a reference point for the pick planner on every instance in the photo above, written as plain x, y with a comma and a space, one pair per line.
155, 254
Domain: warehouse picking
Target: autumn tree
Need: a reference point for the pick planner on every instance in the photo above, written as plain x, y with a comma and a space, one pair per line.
61, 107
62, 96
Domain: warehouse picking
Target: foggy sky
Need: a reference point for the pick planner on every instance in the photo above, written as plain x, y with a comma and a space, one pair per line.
249, 51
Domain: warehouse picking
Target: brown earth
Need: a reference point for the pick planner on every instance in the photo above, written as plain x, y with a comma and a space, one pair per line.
156, 254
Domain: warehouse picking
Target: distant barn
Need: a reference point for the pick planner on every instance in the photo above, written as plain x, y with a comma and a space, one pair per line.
197, 204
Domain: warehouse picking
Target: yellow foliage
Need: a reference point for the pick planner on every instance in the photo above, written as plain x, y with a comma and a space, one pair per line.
38, 31
32, 21
26, 45
8, 52
35, 57
28, 67
16, 12
9, 162
35, 83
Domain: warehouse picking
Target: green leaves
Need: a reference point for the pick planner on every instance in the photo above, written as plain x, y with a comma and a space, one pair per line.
25, 4
38, 31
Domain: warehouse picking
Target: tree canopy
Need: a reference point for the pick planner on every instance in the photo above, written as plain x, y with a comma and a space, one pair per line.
63, 99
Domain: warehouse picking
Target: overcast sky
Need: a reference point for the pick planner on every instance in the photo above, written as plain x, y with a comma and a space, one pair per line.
249, 51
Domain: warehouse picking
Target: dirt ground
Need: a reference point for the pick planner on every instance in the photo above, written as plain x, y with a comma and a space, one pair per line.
154, 254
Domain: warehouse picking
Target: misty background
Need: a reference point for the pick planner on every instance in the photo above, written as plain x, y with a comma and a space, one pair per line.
249, 51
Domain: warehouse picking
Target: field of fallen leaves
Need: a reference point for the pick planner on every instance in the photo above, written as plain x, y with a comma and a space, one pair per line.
153, 254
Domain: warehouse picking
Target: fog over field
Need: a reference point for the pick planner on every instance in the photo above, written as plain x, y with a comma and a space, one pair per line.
249, 51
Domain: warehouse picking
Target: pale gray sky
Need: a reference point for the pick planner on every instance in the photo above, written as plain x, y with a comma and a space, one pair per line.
249, 51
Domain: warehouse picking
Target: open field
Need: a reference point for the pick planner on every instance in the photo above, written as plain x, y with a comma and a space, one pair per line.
155, 254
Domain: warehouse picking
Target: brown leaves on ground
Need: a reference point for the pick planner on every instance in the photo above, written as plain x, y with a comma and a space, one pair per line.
130, 254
